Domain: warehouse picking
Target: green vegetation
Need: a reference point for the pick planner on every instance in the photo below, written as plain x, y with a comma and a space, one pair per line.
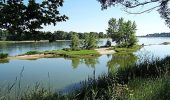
108, 43
32, 52
90, 41
158, 35
128, 5
74, 42
127, 50
19, 16
123, 33
73, 54
3, 55
51, 36
67, 53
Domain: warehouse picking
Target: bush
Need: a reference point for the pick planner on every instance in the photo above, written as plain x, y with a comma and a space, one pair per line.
31, 52
108, 44
67, 49
3, 55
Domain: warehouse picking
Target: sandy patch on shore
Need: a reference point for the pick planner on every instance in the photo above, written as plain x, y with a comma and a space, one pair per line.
36, 56
104, 51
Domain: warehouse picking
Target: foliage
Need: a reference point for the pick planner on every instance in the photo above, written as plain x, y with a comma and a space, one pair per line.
123, 33
73, 54
163, 34
51, 36
74, 42
90, 41
162, 6
108, 43
128, 50
3, 55
32, 52
18, 18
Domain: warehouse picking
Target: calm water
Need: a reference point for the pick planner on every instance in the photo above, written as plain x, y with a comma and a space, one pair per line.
20, 48
66, 72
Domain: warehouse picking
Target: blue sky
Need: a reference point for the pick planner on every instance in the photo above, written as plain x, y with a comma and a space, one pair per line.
87, 16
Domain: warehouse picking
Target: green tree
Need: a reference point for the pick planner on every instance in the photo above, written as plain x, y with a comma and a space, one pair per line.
74, 41
101, 35
18, 18
60, 35
122, 32
90, 41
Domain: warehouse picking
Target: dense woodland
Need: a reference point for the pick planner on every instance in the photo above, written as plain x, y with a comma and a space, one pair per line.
51, 36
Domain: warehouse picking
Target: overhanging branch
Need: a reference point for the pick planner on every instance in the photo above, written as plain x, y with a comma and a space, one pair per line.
148, 10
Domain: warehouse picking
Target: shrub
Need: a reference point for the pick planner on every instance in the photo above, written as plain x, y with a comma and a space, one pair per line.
67, 49
108, 44
31, 52
3, 55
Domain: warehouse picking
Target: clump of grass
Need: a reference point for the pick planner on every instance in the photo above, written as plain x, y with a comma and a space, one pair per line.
32, 52
73, 54
105, 87
3, 55
150, 89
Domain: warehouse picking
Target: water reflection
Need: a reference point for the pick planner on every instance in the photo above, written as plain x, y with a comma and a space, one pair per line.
121, 61
89, 62
3, 61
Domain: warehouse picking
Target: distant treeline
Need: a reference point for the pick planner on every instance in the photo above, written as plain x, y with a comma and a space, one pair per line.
158, 35
51, 36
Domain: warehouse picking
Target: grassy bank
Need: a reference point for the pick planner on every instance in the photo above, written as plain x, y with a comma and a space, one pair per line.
66, 53
127, 50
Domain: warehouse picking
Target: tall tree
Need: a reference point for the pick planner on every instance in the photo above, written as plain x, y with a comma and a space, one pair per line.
74, 41
16, 17
90, 41
122, 32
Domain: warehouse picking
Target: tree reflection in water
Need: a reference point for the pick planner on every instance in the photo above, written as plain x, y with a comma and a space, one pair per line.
121, 61
89, 62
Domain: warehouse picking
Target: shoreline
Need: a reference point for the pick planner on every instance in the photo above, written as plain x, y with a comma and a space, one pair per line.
32, 41
100, 51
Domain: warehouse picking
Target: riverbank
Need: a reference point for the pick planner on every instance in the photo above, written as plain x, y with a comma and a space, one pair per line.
63, 53
74, 54
57, 53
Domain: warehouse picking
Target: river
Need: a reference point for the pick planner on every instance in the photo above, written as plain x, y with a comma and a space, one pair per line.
63, 73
